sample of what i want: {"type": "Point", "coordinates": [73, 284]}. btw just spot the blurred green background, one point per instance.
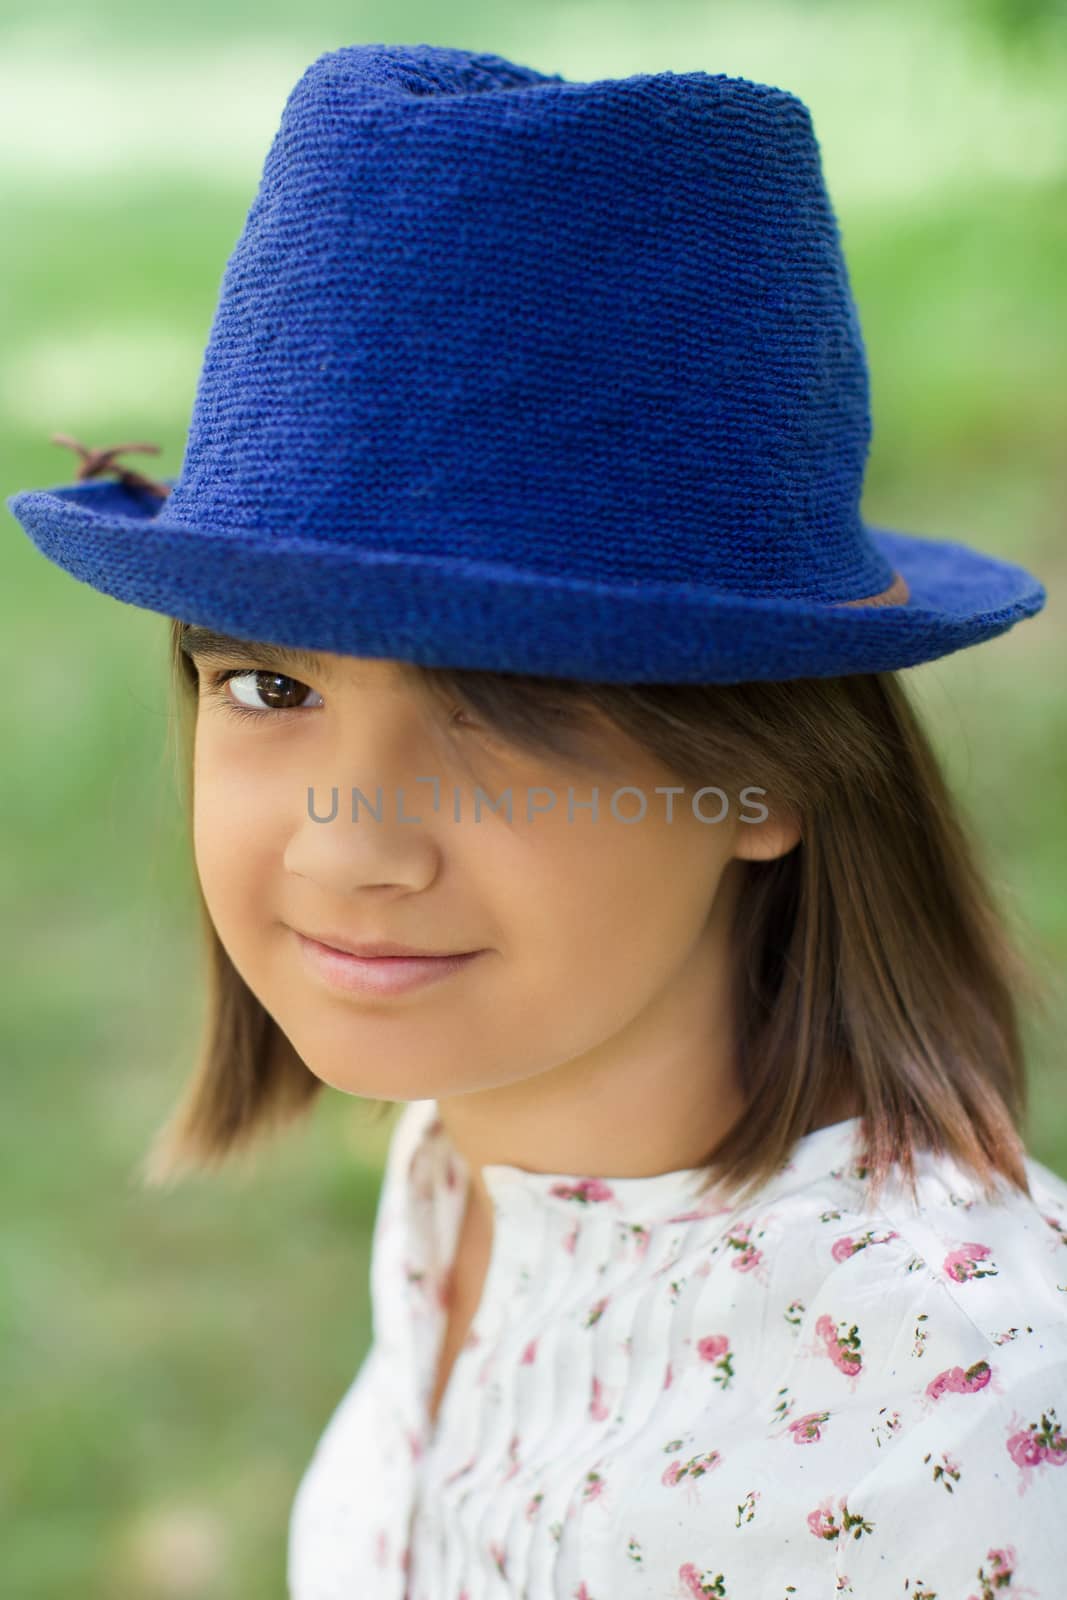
{"type": "Point", "coordinates": [169, 1361]}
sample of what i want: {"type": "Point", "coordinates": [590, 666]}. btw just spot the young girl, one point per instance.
{"type": "Point", "coordinates": [551, 777]}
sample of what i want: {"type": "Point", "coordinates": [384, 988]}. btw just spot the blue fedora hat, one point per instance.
{"type": "Point", "coordinates": [539, 376]}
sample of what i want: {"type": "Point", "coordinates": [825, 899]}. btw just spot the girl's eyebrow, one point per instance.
{"type": "Point", "coordinates": [212, 646]}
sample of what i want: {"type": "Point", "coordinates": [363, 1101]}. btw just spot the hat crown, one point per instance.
{"type": "Point", "coordinates": [586, 330]}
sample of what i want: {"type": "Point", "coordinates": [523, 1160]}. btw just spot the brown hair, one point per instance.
{"type": "Point", "coordinates": [874, 968]}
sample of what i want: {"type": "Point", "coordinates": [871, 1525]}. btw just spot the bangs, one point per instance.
{"type": "Point", "coordinates": [551, 717]}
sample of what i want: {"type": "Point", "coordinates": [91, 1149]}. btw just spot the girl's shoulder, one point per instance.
{"type": "Point", "coordinates": [927, 1355]}
{"type": "Point", "coordinates": [1000, 1261]}
{"type": "Point", "coordinates": [994, 1256]}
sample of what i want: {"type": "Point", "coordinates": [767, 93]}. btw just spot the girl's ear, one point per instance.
{"type": "Point", "coordinates": [765, 840]}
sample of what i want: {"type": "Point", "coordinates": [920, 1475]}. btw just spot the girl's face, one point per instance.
{"type": "Point", "coordinates": [593, 929]}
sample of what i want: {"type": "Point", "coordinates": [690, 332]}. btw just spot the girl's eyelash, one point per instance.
{"type": "Point", "coordinates": [216, 682]}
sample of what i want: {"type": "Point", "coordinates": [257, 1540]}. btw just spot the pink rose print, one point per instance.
{"type": "Point", "coordinates": [513, 1457]}
{"type": "Point", "coordinates": [806, 1429]}
{"type": "Point", "coordinates": [529, 1355]}
{"type": "Point", "coordinates": [748, 1256]}
{"type": "Point", "coordinates": [747, 1509]}
{"type": "Point", "coordinates": [843, 1248]}
{"type": "Point", "coordinates": [533, 1505]}
{"type": "Point", "coordinates": [959, 1380]}
{"type": "Point", "coordinates": [998, 1579]}
{"type": "Point", "coordinates": [716, 1349]}
{"type": "Point", "coordinates": [639, 1235]}
{"type": "Point", "coordinates": [842, 1348]}
{"type": "Point", "coordinates": [571, 1240]}
{"type": "Point", "coordinates": [947, 1471]}
{"type": "Point", "coordinates": [582, 1592]}
{"type": "Point", "coordinates": [963, 1264]}
{"type": "Point", "coordinates": [668, 1378]}
{"type": "Point", "coordinates": [794, 1312]}
{"type": "Point", "coordinates": [460, 1471]}
{"type": "Point", "coordinates": [589, 1191]}
{"type": "Point", "coordinates": [693, 1469]}
{"type": "Point", "coordinates": [594, 1485]}
{"type": "Point", "coordinates": [381, 1548]}
{"type": "Point", "coordinates": [1037, 1445]}
{"type": "Point", "coordinates": [596, 1312]}
{"type": "Point", "coordinates": [888, 1422]}
{"type": "Point", "coordinates": [824, 1524]}
{"type": "Point", "coordinates": [499, 1557]}
{"type": "Point", "coordinates": [598, 1406]}
{"type": "Point", "coordinates": [698, 1585]}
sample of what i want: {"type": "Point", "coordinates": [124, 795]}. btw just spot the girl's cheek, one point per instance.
{"type": "Point", "coordinates": [232, 834]}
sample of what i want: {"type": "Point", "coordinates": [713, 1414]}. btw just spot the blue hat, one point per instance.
{"type": "Point", "coordinates": [538, 376]}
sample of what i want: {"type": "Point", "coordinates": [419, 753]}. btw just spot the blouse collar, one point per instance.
{"type": "Point", "coordinates": [429, 1157]}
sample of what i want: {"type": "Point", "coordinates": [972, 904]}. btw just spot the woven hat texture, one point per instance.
{"type": "Point", "coordinates": [514, 372]}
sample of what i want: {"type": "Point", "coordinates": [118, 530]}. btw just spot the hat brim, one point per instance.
{"type": "Point", "coordinates": [462, 613]}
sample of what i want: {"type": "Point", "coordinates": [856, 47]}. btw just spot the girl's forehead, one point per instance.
{"type": "Point", "coordinates": [372, 671]}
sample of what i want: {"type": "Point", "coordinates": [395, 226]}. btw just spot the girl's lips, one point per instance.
{"type": "Point", "coordinates": [379, 975]}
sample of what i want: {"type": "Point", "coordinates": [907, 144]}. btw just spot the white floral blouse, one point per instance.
{"type": "Point", "coordinates": [657, 1400]}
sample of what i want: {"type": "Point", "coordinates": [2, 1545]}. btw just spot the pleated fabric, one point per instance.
{"type": "Point", "coordinates": [662, 1397]}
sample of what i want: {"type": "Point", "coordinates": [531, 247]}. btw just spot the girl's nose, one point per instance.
{"type": "Point", "coordinates": [348, 839]}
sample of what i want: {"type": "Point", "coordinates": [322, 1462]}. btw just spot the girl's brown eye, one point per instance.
{"type": "Point", "coordinates": [275, 691]}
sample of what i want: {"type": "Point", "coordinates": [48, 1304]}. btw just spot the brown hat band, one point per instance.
{"type": "Point", "coordinates": [896, 595]}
